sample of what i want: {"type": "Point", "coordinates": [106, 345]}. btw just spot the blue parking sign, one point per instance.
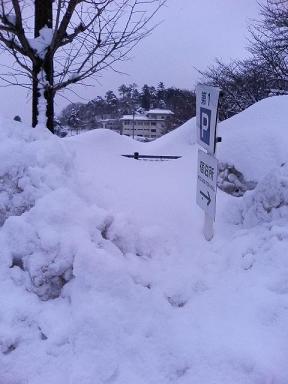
{"type": "Point", "coordinates": [207, 98]}
{"type": "Point", "coordinates": [205, 124]}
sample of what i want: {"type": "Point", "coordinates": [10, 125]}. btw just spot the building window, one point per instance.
{"type": "Point", "coordinates": [153, 130]}
{"type": "Point", "coordinates": [153, 123]}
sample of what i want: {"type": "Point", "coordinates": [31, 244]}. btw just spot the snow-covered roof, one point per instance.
{"type": "Point", "coordinates": [105, 120]}
{"type": "Point", "coordinates": [144, 117]}
{"type": "Point", "coordinates": [161, 111]}
{"type": "Point", "coordinates": [136, 117]}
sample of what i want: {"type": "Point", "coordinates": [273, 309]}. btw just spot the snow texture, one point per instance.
{"type": "Point", "coordinates": [105, 276]}
{"type": "Point", "coordinates": [256, 141]}
{"type": "Point", "coordinates": [269, 201]}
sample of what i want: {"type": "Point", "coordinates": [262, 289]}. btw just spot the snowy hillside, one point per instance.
{"type": "Point", "coordinates": [105, 276]}
{"type": "Point", "coordinates": [260, 133]}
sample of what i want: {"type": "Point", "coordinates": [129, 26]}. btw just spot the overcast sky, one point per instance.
{"type": "Point", "coordinates": [192, 34]}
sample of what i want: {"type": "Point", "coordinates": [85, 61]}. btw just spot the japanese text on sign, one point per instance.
{"type": "Point", "coordinates": [205, 98]}
{"type": "Point", "coordinates": [207, 170]}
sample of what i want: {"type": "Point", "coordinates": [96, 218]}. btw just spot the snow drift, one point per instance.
{"type": "Point", "coordinates": [104, 273]}
{"type": "Point", "coordinates": [269, 201]}
{"type": "Point", "coordinates": [256, 141]}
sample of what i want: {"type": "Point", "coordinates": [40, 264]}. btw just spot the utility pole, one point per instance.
{"type": "Point", "coordinates": [133, 126]}
{"type": "Point", "coordinates": [43, 18]}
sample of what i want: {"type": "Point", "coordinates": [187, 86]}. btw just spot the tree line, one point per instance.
{"type": "Point", "coordinates": [128, 100]}
{"type": "Point", "coordinates": [265, 72]}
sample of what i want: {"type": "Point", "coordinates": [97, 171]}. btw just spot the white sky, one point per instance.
{"type": "Point", "coordinates": [193, 33]}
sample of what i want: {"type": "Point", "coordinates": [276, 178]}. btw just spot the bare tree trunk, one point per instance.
{"type": "Point", "coordinates": [49, 93]}
{"type": "Point", "coordinates": [43, 17]}
{"type": "Point", "coordinates": [85, 38]}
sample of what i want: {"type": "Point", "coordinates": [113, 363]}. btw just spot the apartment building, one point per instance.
{"type": "Point", "coordinates": [151, 125]}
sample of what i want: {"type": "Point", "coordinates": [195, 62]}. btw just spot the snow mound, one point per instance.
{"type": "Point", "coordinates": [44, 220]}
{"type": "Point", "coordinates": [256, 141]}
{"type": "Point", "coordinates": [269, 201]}
{"type": "Point", "coordinates": [32, 163]}
{"type": "Point", "coordinates": [107, 141]}
{"type": "Point", "coordinates": [177, 141]}
{"type": "Point", "coordinates": [138, 295]}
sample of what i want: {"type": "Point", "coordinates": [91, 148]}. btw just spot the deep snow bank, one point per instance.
{"type": "Point", "coordinates": [269, 200]}
{"type": "Point", "coordinates": [45, 222]}
{"type": "Point", "coordinates": [256, 140]}
{"type": "Point", "coordinates": [139, 296]}
{"type": "Point", "coordinates": [32, 163]}
{"type": "Point", "coordinates": [177, 142]}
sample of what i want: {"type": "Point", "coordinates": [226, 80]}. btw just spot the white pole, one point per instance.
{"type": "Point", "coordinates": [133, 134]}
{"type": "Point", "coordinates": [208, 229]}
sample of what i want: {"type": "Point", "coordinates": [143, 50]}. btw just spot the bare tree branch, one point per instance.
{"type": "Point", "coordinates": [85, 38]}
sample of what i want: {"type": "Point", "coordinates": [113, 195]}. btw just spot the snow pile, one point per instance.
{"type": "Point", "coordinates": [178, 141]}
{"type": "Point", "coordinates": [269, 201]}
{"type": "Point", "coordinates": [136, 295]}
{"type": "Point", "coordinates": [45, 222]}
{"type": "Point", "coordinates": [31, 165]}
{"type": "Point", "coordinates": [256, 141]}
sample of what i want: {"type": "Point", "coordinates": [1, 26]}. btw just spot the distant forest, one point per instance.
{"type": "Point", "coordinates": [129, 99]}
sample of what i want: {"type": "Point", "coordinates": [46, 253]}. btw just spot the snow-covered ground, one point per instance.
{"type": "Point", "coordinates": [105, 276]}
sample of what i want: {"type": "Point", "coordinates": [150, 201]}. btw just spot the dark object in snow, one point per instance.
{"type": "Point", "coordinates": [17, 262]}
{"type": "Point", "coordinates": [176, 301]}
{"type": "Point", "coordinates": [42, 335]}
{"type": "Point", "coordinates": [59, 130]}
{"type": "Point", "coordinates": [15, 203]}
{"type": "Point", "coordinates": [17, 118]}
{"type": "Point", "coordinates": [9, 348]}
{"type": "Point", "coordinates": [47, 283]}
{"type": "Point", "coordinates": [136, 156]}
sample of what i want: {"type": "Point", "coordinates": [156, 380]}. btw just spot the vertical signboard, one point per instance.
{"type": "Point", "coordinates": [207, 183]}
{"type": "Point", "coordinates": [207, 99]}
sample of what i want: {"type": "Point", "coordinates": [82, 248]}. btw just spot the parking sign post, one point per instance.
{"type": "Point", "coordinates": [207, 99]}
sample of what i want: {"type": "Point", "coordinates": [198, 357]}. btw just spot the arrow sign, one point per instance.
{"type": "Point", "coordinates": [207, 197]}
{"type": "Point", "coordinates": [207, 183]}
